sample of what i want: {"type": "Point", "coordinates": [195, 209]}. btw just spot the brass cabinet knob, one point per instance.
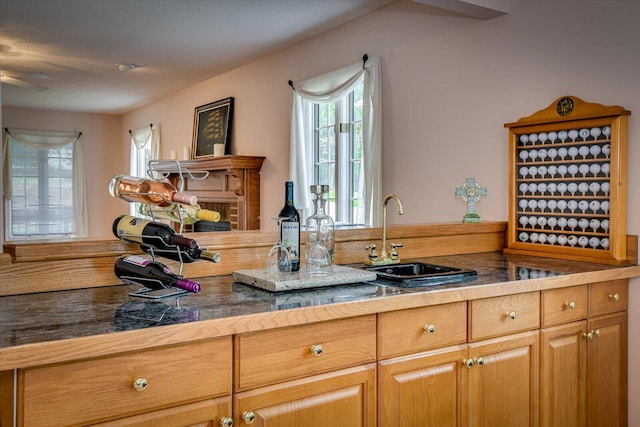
{"type": "Point", "coordinates": [570, 305]}
{"type": "Point", "coordinates": [614, 297]}
{"type": "Point", "coordinates": [140, 384]}
{"type": "Point", "coordinates": [468, 362]}
{"type": "Point", "coordinates": [480, 361]}
{"type": "Point", "coordinates": [430, 328]}
{"type": "Point", "coordinates": [316, 350]}
{"type": "Point", "coordinates": [226, 422]}
{"type": "Point", "coordinates": [248, 417]}
{"type": "Point", "coordinates": [596, 333]}
{"type": "Point", "coordinates": [511, 315]}
{"type": "Point", "coordinates": [588, 335]}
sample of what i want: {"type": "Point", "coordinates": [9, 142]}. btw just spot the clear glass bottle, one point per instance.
{"type": "Point", "coordinates": [319, 226]}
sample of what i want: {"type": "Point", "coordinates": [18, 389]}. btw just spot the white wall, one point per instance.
{"type": "Point", "coordinates": [449, 85]}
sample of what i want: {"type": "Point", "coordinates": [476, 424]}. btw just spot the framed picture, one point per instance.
{"type": "Point", "coordinates": [212, 129]}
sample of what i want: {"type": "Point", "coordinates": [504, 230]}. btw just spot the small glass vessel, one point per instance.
{"type": "Point", "coordinates": [278, 260]}
{"type": "Point", "coordinates": [320, 228]}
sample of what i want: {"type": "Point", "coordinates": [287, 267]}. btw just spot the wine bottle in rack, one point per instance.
{"type": "Point", "coordinates": [150, 191]}
{"type": "Point", "coordinates": [186, 255]}
{"type": "Point", "coordinates": [290, 227]}
{"type": "Point", "coordinates": [151, 233]}
{"type": "Point", "coordinates": [180, 213]}
{"type": "Point", "coordinates": [135, 270]}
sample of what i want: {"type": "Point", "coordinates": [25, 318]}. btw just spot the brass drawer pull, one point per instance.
{"type": "Point", "coordinates": [570, 305]}
{"type": "Point", "coordinates": [468, 363]}
{"type": "Point", "coordinates": [226, 422]}
{"type": "Point", "coordinates": [480, 361]}
{"type": "Point", "coordinates": [316, 350]}
{"type": "Point", "coordinates": [140, 384]}
{"type": "Point", "coordinates": [430, 328]}
{"type": "Point", "coordinates": [511, 315]}
{"type": "Point", "coordinates": [614, 297]}
{"type": "Point", "coordinates": [248, 417]}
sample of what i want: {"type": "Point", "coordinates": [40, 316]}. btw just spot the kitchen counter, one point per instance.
{"type": "Point", "coordinates": [67, 325]}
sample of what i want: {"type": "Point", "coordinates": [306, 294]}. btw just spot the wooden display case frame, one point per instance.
{"type": "Point", "coordinates": [564, 114]}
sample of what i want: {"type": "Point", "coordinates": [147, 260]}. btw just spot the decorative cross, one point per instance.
{"type": "Point", "coordinates": [471, 192]}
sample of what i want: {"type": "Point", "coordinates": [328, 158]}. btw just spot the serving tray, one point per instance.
{"type": "Point", "coordinates": [340, 275]}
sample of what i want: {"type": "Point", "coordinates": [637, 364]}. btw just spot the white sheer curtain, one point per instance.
{"type": "Point", "coordinates": [140, 139]}
{"type": "Point", "coordinates": [329, 88]}
{"type": "Point", "coordinates": [46, 140]}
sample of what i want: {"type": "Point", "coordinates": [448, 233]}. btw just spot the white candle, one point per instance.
{"type": "Point", "coordinates": [218, 150]}
{"type": "Point", "coordinates": [186, 153]}
{"type": "Point", "coordinates": [174, 155]}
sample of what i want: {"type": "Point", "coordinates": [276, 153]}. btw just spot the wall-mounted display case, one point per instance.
{"type": "Point", "coordinates": [567, 190]}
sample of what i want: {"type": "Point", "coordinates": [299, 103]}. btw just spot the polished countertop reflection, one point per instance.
{"type": "Point", "coordinates": [36, 318]}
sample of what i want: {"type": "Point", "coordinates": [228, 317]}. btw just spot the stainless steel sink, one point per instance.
{"type": "Point", "coordinates": [417, 274]}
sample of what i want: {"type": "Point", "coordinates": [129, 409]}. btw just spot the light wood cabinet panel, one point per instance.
{"type": "Point", "coordinates": [340, 398]}
{"type": "Point", "coordinates": [492, 317]}
{"type": "Point", "coordinates": [563, 375]}
{"type": "Point", "coordinates": [420, 329]}
{"type": "Point", "coordinates": [607, 371]}
{"type": "Point", "coordinates": [564, 305]}
{"type": "Point", "coordinates": [207, 413]}
{"type": "Point", "coordinates": [503, 381]}
{"type": "Point", "coordinates": [608, 297]}
{"type": "Point", "coordinates": [88, 391]}
{"type": "Point", "coordinates": [282, 354]}
{"type": "Point", "coordinates": [425, 389]}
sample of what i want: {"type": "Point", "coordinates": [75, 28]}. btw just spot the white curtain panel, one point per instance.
{"type": "Point", "coordinates": [140, 138]}
{"type": "Point", "coordinates": [46, 140]}
{"type": "Point", "coordinates": [329, 88]}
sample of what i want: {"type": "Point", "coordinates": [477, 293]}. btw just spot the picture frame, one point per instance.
{"type": "Point", "coordinates": [212, 129]}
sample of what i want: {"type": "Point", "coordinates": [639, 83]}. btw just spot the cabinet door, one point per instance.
{"type": "Point", "coordinates": [607, 371]}
{"type": "Point", "coordinates": [208, 413]}
{"type": "Point", "coordinates": [563, 370]}
{"type": "Point", "coordinates": [424, 389]}
{"type": "Point", "coordinates": [503, 381]}
{"type": "Point", "coordinates": [340, 398]}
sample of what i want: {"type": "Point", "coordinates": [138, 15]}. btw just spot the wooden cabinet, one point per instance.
{"type": "Point", "coordinates": [340, 398]}
{"type": "Point", "coordinates": [313, 375]}
{"type": "Point", "coordinates": [584, 364]}
{"type": "Point", "coordinates": [491, 380]}
{"type": "Point", "coordinates": [97, 390]}
{"type": "Point", "coordinates": [231, 186]}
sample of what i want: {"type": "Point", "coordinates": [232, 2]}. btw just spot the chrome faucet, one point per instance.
{"type": "Point", "coordinates": [384, 258]}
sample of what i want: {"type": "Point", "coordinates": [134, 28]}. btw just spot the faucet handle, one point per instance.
{"type": "Point", "coordinates": [394, 252]}
{"type": "Point", "coordinates": [373, 255]}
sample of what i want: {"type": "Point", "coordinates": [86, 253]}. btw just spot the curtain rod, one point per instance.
{"type": "Point", "coordinates": [151, 126]}
{"type": "Point", "coordinates": [9, 132]}
{"type": "Point", "coordinates": [365, 57]}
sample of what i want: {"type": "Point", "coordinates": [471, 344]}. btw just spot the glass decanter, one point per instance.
{"type": "Point", "coordinates": [320, 228]}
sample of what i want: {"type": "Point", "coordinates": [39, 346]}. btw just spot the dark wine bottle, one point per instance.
{"type": "Point", "coordinates": [290, 227]}
{"type": "Point", "coordinates": [151, 233]}
{"type": "Point", "coordinates": [186, 255]}
{"type": "Point", "coordinates": [135, 270]}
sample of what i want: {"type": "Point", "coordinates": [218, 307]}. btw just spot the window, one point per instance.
{"type": "Point", "coordinates": [336, 137]}
{"type": "Point", "coordinates": [145, 146]}
{"type": "Point", "coordinates": [42, 186]}
{"type": "Point", "coordinates": [337, 155]}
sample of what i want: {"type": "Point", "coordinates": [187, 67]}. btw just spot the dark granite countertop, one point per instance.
{"type": "Point", "coordinates": [37, 318]}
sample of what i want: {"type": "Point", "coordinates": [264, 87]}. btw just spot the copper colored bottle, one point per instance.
{"type": "Point", "coordinates": [150, 191]}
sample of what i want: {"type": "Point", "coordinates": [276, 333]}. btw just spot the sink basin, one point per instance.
{"type": "Point", "coordinates": [416, 274]}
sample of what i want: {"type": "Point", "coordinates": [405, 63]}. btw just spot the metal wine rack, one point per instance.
{"type": "Point", "coordinates": [567, 193]}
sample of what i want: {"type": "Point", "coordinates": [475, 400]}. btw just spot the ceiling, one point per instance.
{"type": "Point", "coordinates": [64, 54]}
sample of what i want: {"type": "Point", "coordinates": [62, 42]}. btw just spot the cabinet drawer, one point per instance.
{"type": "Point", "coordinates": [100, 389]}
{"type": "Point", "coordinates": [608, 297]}
{"type": "Point", "coordinates": [419, 329]}
{"type": "Point", "coordinates": [564, 305]}
{"type": "Point", "coordinates": [272, 356]}
{"type": "Point", "coordinates": [496, 316]}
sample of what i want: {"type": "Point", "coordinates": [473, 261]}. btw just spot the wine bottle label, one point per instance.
{"type": "Point", "coordinates": [290, 239]}
{"type": "Point", "coordinates": [131, 228]}
{"type": "Point", "coordinates": [136, 260]}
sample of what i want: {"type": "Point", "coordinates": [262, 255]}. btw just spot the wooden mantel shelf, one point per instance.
{"type": "Point", "coordinates": [232, 186]}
